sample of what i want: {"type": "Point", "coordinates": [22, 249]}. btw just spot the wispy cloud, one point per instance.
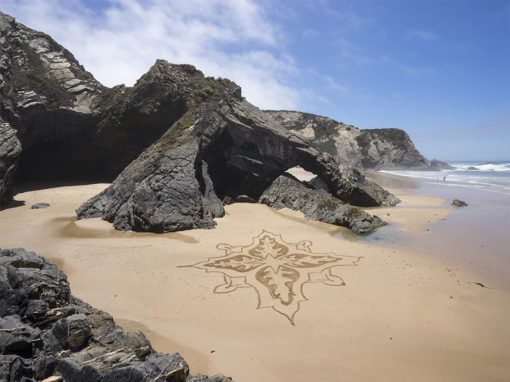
{"type": "Point", "coordinates": [352, 54]}
{"type": "Point", "coordinates": [420, 35]}
{"type": "Point", "coordinates": [416, 71]}
{"type": "Point", "coordinates": [335, 85]}
{"type": "Point", "coordinates": [118, 43]}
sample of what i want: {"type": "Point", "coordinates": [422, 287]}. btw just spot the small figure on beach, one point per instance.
{"type": "Point", "coordinates": [444, 178]}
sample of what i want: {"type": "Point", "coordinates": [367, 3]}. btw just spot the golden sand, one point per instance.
{"type": "Point", "coordinates": [330, 310]}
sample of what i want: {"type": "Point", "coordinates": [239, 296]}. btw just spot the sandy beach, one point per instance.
{"type": "Point", "coordinates": [396, 306]}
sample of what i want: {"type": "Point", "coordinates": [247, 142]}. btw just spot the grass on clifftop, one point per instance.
{"type": "Point", "coordinates": [175, 131]}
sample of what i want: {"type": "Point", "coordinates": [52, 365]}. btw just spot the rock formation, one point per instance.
{"type": "Point", "coordinates": [10, 148]}
{"type": "Point", "coordinates": [317, 204]}
{"type": "Point", "coordinates": [188, 141]}
{"type": "Point", "coordinates": [367, 149]}
{"type": "Point", "coordinates": [47, 332]}
{"type": "Point", "coordinates": [459, 203]}
{"type": "Point", "coordinates": [221, 147]}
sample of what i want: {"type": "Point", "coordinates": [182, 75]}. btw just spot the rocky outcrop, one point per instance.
{"type": "Point", "coordinates": [222, 147]}
{"type": "Point", "coordinates": [317, 204]}
{"type": "Point", "coordinates": [46, 332]}
{"type": "Point", "coordinates": [366, 149]}
{"type": "Point", "coordinates": [459, 203]}
{"type": "Point", "coordinates": [10, 149]}
{"type": "Point", "coordinates": [188, 141]}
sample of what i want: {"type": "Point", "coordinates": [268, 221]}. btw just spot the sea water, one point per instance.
{"type": "Point", "coordinates": [489, 176]}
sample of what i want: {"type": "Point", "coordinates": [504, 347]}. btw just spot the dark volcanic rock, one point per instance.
{"type": "Point", "coordinates": [37, 206]}
{"type": "Point", "coordinates": [368, 148]}
{"type": "Point", "coordinates": [317, 204]}
{"type": "Point", "coordinates": [45, 331]}
{"type": "Point", "coordinates": [459, 203]}
{"type": "Point", "coordinates": [10, 149]}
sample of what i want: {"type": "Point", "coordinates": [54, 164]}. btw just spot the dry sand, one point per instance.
{"type": "Point", "coordinates": [400, 315]}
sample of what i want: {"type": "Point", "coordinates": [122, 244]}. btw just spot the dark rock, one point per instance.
{"type": "Point", "coordinates": [471, 168]}
{"type": "Point", "coordinates": [227, 200]}
{"type": "Point", "coordinates": [221, 148]}
{"type": "Point", "coordinates": [10, 149]}
{"type": "Point", "coordinates": [459, 203]}
{"type": "Point", "coordinates": [69, 125]}
{"type": "Point", "coordinates": [317, 204]}
{"type": "Point", "coordinates": [46, 332]}
{"type": "Point", "coordinates": [37, 206]}
{"type": "Point", "coordinates": [367, 148]}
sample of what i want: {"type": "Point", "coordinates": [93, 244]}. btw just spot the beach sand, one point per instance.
{"type": "Point", "coordinates": [402, 314]}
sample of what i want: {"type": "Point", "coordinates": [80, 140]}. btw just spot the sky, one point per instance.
{"type": "Point", "coordinates": [440, 70]}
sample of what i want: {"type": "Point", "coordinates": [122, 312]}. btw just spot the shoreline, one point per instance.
{"type": "Point", "coordinates": [473, 237]}
{"type": "Point", "coordinates": [382, 313]}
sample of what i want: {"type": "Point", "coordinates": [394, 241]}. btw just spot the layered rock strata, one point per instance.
{"type": "Point", "coordinates": [46, 332]}
{"type": "Point", "coordinates": [10, 149]}
{"type": "Point", "coordinates": [317, 204]}
{"type": "Point", "coordinates": [222, 147]}
{"type": "Point", "coordinates": [362, 148]}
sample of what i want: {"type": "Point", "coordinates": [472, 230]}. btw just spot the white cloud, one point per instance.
{"type": "Point", "coordinates": [118, 43]}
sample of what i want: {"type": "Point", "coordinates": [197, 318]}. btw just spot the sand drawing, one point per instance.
{"type": "Point", "coordinates": [277, 270]}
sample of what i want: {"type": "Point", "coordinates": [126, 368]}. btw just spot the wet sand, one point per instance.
{"type": "Point", "coordinates": [475, 237]}
{"type": "Point", "coordinates": [368, 310]}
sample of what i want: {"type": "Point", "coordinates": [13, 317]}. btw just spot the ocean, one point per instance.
{"type": "Point", "coordinates": [489, 176]}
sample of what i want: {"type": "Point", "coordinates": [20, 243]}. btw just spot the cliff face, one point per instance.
{"type": "Point", "coordinates": [69, 126]}
{"type": "Point", "coordinates": [367, 149]}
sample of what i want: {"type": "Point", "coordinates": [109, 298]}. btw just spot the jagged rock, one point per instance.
{"type": "Point", "coordinates": [459, 203]}
{"type": "Point", "coordinates": [10, 149]}
{"type": "Point", "coordinates": [46, 332]}
{"type": "Point", "coordinates": [221, 147]}
{"type": "Point", "coordinates": [368, 148]}
{"type": "Point", "coordinates": [317, 204]}
{"type": "Point", "coordinates": [37, 206]}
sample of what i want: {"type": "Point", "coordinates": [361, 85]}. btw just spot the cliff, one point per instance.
{"type": "Point", "coordinates": [367, 149]}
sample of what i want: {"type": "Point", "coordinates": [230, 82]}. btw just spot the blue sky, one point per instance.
{"type": "Point", "coordinates": [440, 70]}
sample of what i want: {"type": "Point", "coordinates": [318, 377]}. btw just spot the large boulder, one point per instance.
{"type": "Point", "coordinates": [46, 332]}
{"type": "Point", "coordinates": [317, 204]}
